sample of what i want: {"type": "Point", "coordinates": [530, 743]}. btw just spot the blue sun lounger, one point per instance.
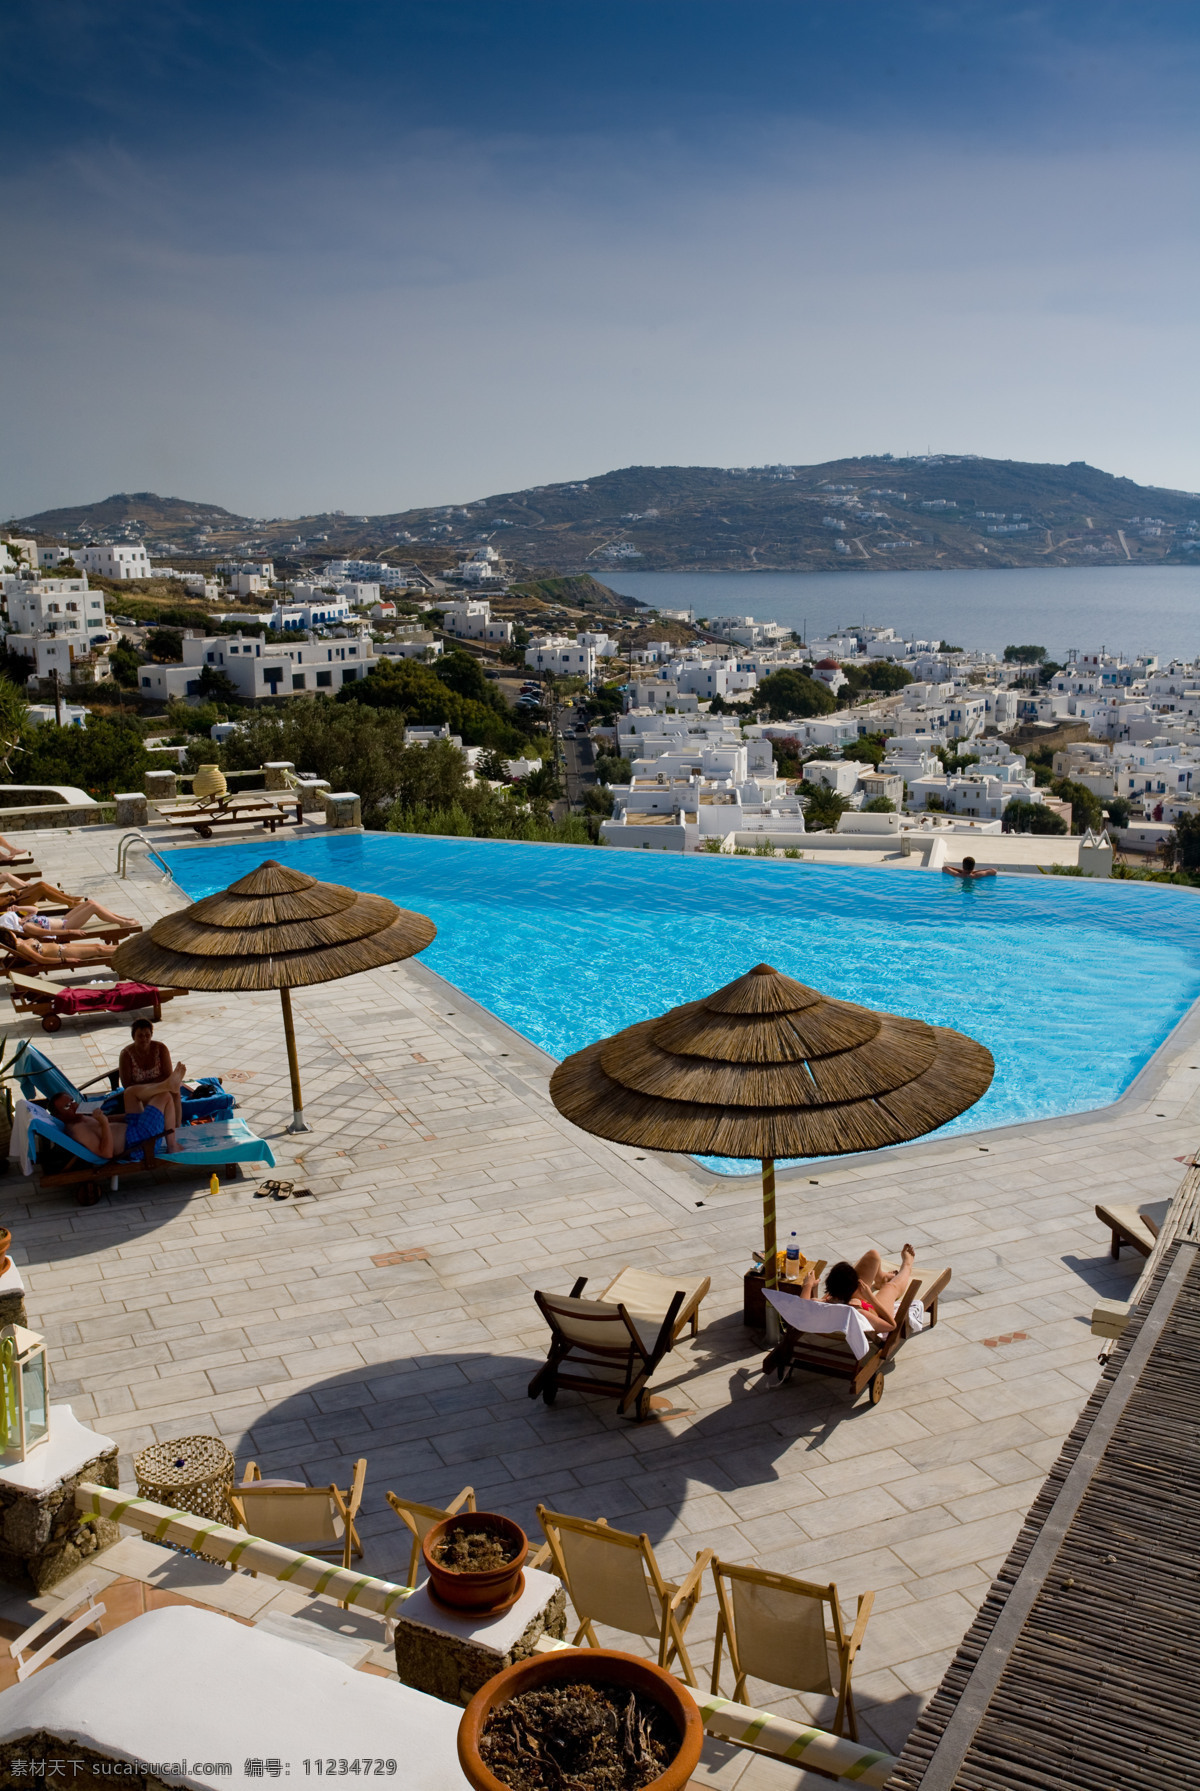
{"type": "Point", "coordinates": [40, 1075]}
{"type": "Point", "coordinates": [214, 1146]}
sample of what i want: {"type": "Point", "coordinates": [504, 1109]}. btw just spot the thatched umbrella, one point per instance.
{"type": "Point", "coordinates": [768, 1068]}
{"type": "Point", "coordinates": [275, 929]}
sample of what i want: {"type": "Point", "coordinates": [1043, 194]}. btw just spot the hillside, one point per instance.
{"type": "Point", "coordinates": [714, 518]}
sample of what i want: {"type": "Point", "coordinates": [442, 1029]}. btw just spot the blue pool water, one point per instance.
{"type": "Point", "coordinates": [1071, 985]}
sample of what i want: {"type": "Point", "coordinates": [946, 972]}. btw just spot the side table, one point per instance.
{"type": "Point", "coordinates": [42, 1537]}
{"type": "Point", "coordinates": [450, 1655]}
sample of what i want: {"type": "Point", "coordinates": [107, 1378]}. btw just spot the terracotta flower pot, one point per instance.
{"type": "Point", "coordinates": [209, 781]}
{"type": "Point", "coordinates": [602, 1667]}
{"type": "Point", "coordinates": [463, 1591]}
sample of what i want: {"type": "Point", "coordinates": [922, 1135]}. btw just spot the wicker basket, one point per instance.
{"type": "Point", "coordinates": [190, 1473]}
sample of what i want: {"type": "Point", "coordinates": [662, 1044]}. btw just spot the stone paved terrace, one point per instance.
{"type": "Point", "coordinates": [169, 1310]}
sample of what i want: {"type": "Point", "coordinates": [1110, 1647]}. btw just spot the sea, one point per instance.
{"type": "Point", "coordinates": [1126, 610]}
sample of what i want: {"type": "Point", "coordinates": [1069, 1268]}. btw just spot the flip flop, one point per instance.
{"type": "Point", "coordinates": [274, 1190]}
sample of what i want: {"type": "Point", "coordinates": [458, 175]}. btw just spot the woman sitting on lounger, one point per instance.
{"type": "Point", "coordinates": [35, 925]}
{"type": "Point", "coordinates": [149, 1113]}
{"type": "Point", "coordinates": [865, 1285]}
{"type": "Point", "coordinates": [71, 954]}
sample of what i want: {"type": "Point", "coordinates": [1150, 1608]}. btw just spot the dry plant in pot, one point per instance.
{"type": "Point", "coordinates": [475, 1562]}
{"type": "Point", "coordinates": [591, 1717]}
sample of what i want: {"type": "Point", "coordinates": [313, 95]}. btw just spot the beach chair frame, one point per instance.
{"type": "Point", "coordinates": [604, 1344]}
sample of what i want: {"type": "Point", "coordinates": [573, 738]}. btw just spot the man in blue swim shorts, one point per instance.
{"type": "Point", "coordinates": [115, 1137]}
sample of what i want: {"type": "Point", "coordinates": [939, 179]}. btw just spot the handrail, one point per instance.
{"type": "Point", "coordinates": [126, 846]}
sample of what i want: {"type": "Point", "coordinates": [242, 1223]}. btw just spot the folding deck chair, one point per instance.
{"type": "Point", "coordinates": [775, 1630]}
{"type": "Point", "coordinates": [837, 1340]}
{"type": "Point", "coordinates": [420, 1519]}
{"type": "Point", "coordinates": [612, 1577]}
{"type": "Point", "coordinates": [312, 1520]}
{"type": "Point", "coordinates": [610, 1349]}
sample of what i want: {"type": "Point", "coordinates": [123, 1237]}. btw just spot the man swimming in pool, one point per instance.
{"type": "Point", "coordinates": [865, 1285]}
{"type": "Point", "coordinates": [149, 1113]}
{"type": "Point", "coordinates": [966, 870]}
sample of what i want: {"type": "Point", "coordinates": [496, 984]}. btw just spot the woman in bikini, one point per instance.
{"type": "Point", "coordinates": [73, 921]}
{"type": "Point", "coordinates": [145, 1067]}
{"type": "Point", "coordinates": [48, 954]}
{"type": "Point", "coordinates": [865, 1285]}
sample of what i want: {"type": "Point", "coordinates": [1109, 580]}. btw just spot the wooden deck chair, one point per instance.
{"type": "Point", "coordinates": [606, 1345]}
{"type": "Point", "coordinates": [612, 1577]}
{"type": "Point", "coordinates": [775, 1628]}
{"type": "Point", "coordinates": [831, 1354]}
{"type": "Point", "coordinates": [420, 1519]}
{"type": "Point", "coordinates": [312, 1520]}
{"type": "Point", "coordinates": [647, 1296]}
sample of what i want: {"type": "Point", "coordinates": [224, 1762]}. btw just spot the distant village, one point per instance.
{"type": "Point", "coordinates": [960, 744]}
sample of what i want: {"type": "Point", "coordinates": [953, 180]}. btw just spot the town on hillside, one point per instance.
{"type": "Point", "coordinates": [730, 736]}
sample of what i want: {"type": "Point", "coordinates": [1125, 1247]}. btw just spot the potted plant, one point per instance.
{"type": "Point", "coordinates": [581, 1716]}
{"type": "Point", "coordinates": [475, 1561]}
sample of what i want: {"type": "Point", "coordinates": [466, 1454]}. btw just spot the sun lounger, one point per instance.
{"type": "Point", "coordinates": [62, 1162]}
{"type": "Point", "coordinates": [599, 1347]}
{"type": "Point", "coordinates": [38, 1074]}
{"type": "Point", "coordinates": [38, 995]}
{"type": "Point", "coordinates": [647, 1296]}
{"type": "Point", "coordinates": [229, 811]}
{"type": "Point", "coordinates": [1138, 1226]}
{"type": "Point", "coordinates": [837, 1340]}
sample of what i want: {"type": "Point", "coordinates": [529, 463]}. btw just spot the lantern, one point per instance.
{"type": "Point", "coordinates": [24, 1413]}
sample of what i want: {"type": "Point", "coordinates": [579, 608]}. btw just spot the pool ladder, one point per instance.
{"type": "Point", "coordinates": [128, 842]}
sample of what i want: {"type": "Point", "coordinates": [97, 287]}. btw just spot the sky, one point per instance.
{"type": "Point", "coordinates": [296, 257]}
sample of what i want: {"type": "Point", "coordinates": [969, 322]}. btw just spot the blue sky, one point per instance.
{"type": "Point", "coordinates": [290, 257]}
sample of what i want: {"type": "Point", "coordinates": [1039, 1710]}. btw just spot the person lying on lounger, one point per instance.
{"type": "Point", "coordinates": [32, 925]}
{"type": "Point", "coordinates": [8, 851]}
{"type": "Point", "coordinates": [14, 889]}
{"type": "Point", "coordinates": [966, 870]}
{"type": "Point", "coordinates": [153, 1114]}
{"type": "Point", "coordinates": [865, 1285]}
{"type": "Point", "coordinates": [49, 954]}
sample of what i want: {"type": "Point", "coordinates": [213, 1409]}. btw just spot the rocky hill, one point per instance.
{"type": "Point", "coordinates": [873, 512]}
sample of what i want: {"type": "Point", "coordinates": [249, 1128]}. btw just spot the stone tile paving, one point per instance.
{"type": "Point", "coordinates": [169, 1310]}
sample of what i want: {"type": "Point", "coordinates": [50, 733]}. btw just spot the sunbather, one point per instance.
{"type": "Point", "coordinates": [111, 1138]}
{"type": "Point", "coordinates": [865, 1285]}
{"type": "Point", "coordinates": [67, 925]}
{"type": "Point", "coordinates": [137, 1094]}
{"type": "Point", "coordinates": [8, 851]}
{"type": "Point", "coordinates": [14, 889]}
{"type": "Point", "coordinates": [50, 954]}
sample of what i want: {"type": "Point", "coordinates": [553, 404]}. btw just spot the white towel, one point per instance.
{"type": "Point", "coordinates": [19, 1146]}
{"type": "Point", "coordinates": [817, 1315]}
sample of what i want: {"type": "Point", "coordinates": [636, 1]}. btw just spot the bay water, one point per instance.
{"type": "Point", "coordinates": [1127, 609]}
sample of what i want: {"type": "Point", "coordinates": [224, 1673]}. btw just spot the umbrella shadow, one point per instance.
{"type": "Point", "coordinates": [49, 1226]}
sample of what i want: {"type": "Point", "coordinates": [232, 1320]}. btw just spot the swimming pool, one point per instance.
{"type": "Point", "coordinates": [1072, 985]}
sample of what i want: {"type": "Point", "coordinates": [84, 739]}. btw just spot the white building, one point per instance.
{"type": "Point", "coordinates": [562, 657]}
{"type": "Point", "coordinates": [57, 623]}
{"type": "Point", "coordinates": [111, 561]}
{"type": "Point", "coordinates": [483, 567]}
{"type": "Point", "coordinates": [260, 670]}
{"type": "Point", "coordinates": [319, 611]}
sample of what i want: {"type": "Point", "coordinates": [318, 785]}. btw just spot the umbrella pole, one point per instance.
{"type": "Point", "coordinates": [299, 1123]}
{"type": "Point", "coordinates": [770, 1257]}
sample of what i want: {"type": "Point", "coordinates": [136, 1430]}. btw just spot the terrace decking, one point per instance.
{"type": "Point", "coordinates": [1081, 1669]}
{"type": "Point", "coordinates": [392, 1315]}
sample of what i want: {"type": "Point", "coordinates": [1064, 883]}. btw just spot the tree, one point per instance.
{"type": "Point", "coordinates": [542, 782]}
{"type": "Point", "coordinates": [126, 666]}
{"type": "Point", "coordinates": [12, 720]}
{"type": "Point", "coordinates": [824, 807]}
{"type": "Point", "coordinates": [955, 761]}
{"type": "Point", "coordinates": [463, 674]}
{"type": "Point", "coordinates": [492, 765]}
{"type": "Point", "coordinates": [1025, 655]}
{"type": "Point", "coordinates": [870, 750]}
{"type": "Point", "coordinates": [881, 675]}
{"type": "Point", "coordinates": [1085, 806]}
{"type": "Point", "coordinates": [353, 746]}
{"type": "Point", "coordinates": [879, 805]}
{"type": "Point", "coordinates": [606, 700]}
{"type": "Point", "coordinates": [611, 770]}
{"type": "Point", "coordinates": [1184, 842]}
{"type": "Point", "coordinates": [790, 693]}
{"type": "Point", "coordinates": [1118, 811]}
{"type": "Point", "coordinates": [427, 700]}
{"type": "Point", "coordinates": [1032, 817]}
{"type": "Point", "coordinates": [213, 682]}
{"type": "Point", "coordinates": [165, 644]}
{"type": "Point", "coordinates": [106, 756]}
